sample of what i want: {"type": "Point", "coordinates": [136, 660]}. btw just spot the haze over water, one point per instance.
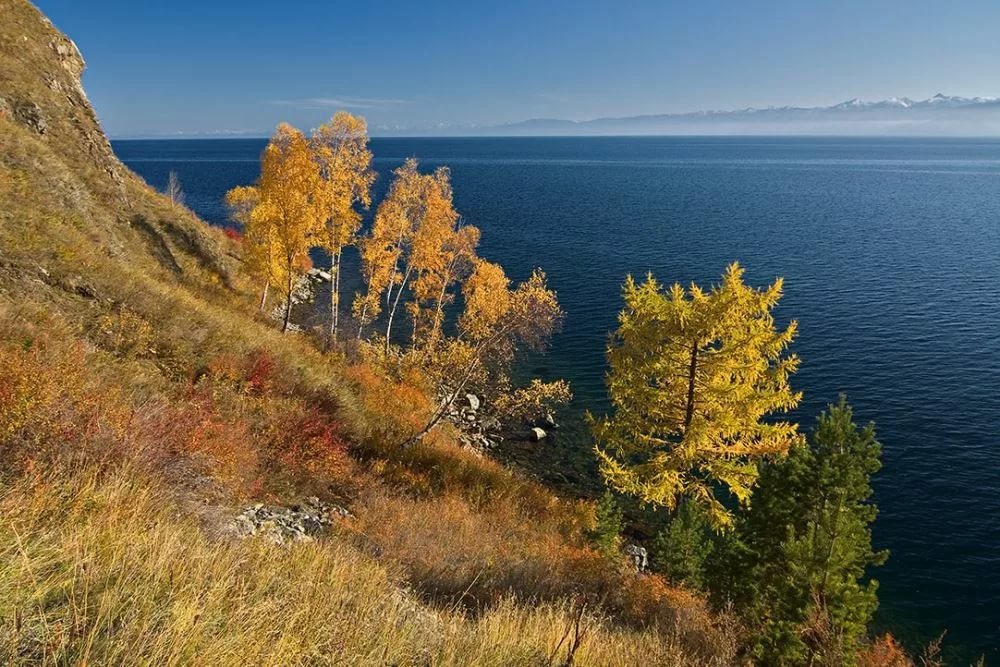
{"type": "Point", "coordinates": [890, 250]}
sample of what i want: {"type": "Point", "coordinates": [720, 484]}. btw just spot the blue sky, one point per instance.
{"type": "Point", "coordinates": [217, 66]}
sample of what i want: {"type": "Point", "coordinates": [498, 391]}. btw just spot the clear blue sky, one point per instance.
{"type": "Point", "coordinates": [186, 67]}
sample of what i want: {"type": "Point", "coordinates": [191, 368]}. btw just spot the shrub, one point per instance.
{"type": "Point", "coordinates": [884, 651]}
{"type": "Point", "coordinates": [125, 333]}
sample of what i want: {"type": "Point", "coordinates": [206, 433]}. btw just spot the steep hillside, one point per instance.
{"type": "Point", "coordinates": [143, 407]}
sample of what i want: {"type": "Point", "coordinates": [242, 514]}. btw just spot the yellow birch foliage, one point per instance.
{"type": "Point", "coordinates": [693, 375]}
{"type": "Point", "coordinates": [258, 237]}
{"type": "Point", "coordinates": [384, 250]}
{"type": "Point", "coordinates": [289, 205]}
{"type": "Point", "coordinates": [443, 253]}
{"type": "Point", "coordinates": [340, 148]}
{"type": "Point", "coordinates": [497, 324]}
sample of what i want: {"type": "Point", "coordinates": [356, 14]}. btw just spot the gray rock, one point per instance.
{"type": "Point", "coordinates": [639, 557]}
{"type": "Point", "coordinates": [537, 434]}
{"type": "Point", "coordinates": [281, 525]}
{"type": "Point", "coordinates": [319, 275]}
{"type": "Point", "coordinates": [30, 115]}
{"type": "Point", "coordinates": [472, 401]}
{"type": "Point", "coordinates": [548, 421]}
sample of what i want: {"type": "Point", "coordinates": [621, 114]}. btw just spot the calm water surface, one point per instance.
{"type": "Point", "coordinates": [890, 250]}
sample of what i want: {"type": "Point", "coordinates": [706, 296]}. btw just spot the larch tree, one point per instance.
{"type": "Point", "coordinates": [288, 189]}
{"type": "Point", "coordinates": [693, 375]}
{"type": "Point", "coordinates": [340, 148]}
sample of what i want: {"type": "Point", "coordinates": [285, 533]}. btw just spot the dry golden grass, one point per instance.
{"type": "Point", "coordinates": [131, 361]}
{"type": "Point", "coordinates": [98, 568]}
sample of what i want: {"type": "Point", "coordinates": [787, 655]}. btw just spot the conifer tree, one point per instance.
{"type": "Point", "coordinates": [682, 548]}
{"type": "Point", "coordinates": [608, 525]}
{"type": "Point", "coordinates": [805, 546]}
{"type": "Point", "coordinates": [693, 374]}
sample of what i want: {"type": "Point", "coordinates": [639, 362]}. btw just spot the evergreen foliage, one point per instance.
{"type": "Point", "coordinates": [801, 553]}
{"type": "Point", "coordinates": [682, 548]}
{"type": "Point", "coordinates": [606, 534]}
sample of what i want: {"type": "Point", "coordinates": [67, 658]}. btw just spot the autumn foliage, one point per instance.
{"type": "Point", "coordinates": [694, 374]}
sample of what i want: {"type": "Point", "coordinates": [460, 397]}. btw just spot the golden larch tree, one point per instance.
{"type": "Point", "coordinates": [340, 148]}
{"type": "Point", "coordinates": [693, 376]}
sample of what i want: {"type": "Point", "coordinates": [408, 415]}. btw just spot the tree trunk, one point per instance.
{"type": "Point", "coordinates": [361, 320]}
{"type": "Point", "coordinates": [336, 297]}
{"type": "Point", "coordinates": [442, 409]}
{"type": "Point", "coordinates": [263, 297]}
{"type": "Point", "coordinates": [692, 369]}
{"type": "Point", "coordinates": [395, 304]}
{"type": "Point", "coordinates": [331, 337]}
{"type": "Point", "coordinates": [439, 311]}
{"type": "Point", "coordinates": [288, 301]}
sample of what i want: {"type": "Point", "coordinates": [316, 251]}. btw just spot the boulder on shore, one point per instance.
{"type": "Point", "coordinates": [638, 556]}
{"type": "Point", "coordinates": [537, 434]}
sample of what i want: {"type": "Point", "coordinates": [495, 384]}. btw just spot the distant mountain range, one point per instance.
{"type": "Point", "coordinates": [940, 115]}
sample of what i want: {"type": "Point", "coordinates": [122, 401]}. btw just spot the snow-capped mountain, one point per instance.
{"type": "Point", "coordinates": [942, 115]}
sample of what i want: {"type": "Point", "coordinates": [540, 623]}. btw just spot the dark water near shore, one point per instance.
{"type": "Point", "coordinates": [890, 250]}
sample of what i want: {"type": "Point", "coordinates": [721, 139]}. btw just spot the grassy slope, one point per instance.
{"type": "Point", "coordinates": [115, 452]}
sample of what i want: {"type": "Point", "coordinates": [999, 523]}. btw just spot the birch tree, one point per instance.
{"type": "Point", "coordinates": [174, 190]}
{"type": "Point", "coordinates": [341, 150]}
{"type": "Point", "coordinates": [499, 323]}
{"type": "Point", "coordinates": [289, 202]}
{"type": "Point", "coordinates": [258, 238]}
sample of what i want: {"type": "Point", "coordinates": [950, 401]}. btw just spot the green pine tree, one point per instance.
{"type": "Point", "coordinates": [799, 560]}
{"type": "Point", "coordinates": [606, 534]}
{"type": "Point", "coordinates": [682, 548]}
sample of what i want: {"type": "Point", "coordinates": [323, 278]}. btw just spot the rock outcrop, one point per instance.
{"type": "Point", "coordinates": [298, 523]}
{"type": "Point", "coordinates": [476, 430]}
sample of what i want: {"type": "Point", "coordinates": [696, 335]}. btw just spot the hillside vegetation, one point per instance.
{"type": "Point", "coordinates": [143, 403]}
{"type": "Point", "coordinates": [195, 470]}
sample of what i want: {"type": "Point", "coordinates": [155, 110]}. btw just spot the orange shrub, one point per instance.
{"type": "Point", "coordinates": [307, 442]}
{"type": "Point", "coordinates": [260, 372]}
{"type": "Point", "coordinates": [49, 405]}
{"type": "Point", "coordinates": [226, 446]}
{"type": "Point", "coordinates": [884, 651]}
{"type": "Point", "coordinates": [396, 410]}
{"type": "Point", "coordinates": [256, 373]}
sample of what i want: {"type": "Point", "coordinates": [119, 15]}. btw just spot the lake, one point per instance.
{"type": "Point", "coordinates": [890, 250]}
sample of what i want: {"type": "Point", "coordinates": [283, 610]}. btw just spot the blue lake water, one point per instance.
{"type": "Point", "coordinates": [890, 250]}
